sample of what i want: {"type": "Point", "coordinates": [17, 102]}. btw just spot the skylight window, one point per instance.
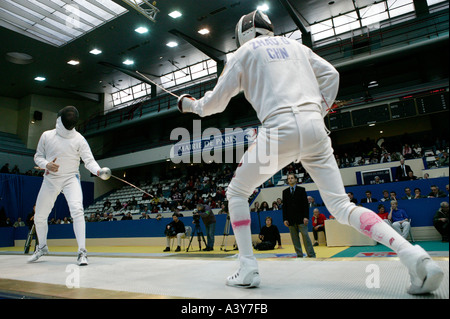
{"type": "Point", "coordinates": [57, 22]}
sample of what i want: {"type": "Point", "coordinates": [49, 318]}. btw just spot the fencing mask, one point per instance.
{"type": "Point", "coordinates": [69, 117]}
{"type": "Point", "coordinates": [252, 25]}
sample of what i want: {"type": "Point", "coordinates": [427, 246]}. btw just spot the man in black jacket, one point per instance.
{"type": "Point", "coordinates": [403, 171]}
{"type": "Point", "coordinates": [296, 216]}
{"type": "Point", "coordinates": [174, 229]}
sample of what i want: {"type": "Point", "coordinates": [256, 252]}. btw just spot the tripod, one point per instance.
{"type": "Point", "coordinates": [198, 231]}
{"type": "Point", "coordinates": [226, 232]}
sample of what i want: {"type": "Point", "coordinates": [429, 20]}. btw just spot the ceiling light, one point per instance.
{"type": "Point", "coordinates": [172, 44]}
{"type": "Point", "coordinates": [40, 78]}
{"type": "Point", "coordinates": [203, 31]}
{"type": "Point", "coordinates": [175, 14]}
{"type": "Point", "coordinates": [141, 30]}
{"type": "Point", "coordinates": [263, 7]}
{"type": "Point", "coordinates": [128, 62]}
{"type": "Point", "coordinates": [73, 62]}
{"type": "Point", "coordinates": [372, 124]}
{"type": "Point", "coordinates": [95, 51]}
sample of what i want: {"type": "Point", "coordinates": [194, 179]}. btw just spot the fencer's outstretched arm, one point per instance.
{"type": "Point", "coordinates": [86, 155]}
{"type": "Point", "coordinates": [215, 101]}
{"type": "Point", "coordinates": [39, 157]}
{"type": "Point", "coordinates": [327, 78]}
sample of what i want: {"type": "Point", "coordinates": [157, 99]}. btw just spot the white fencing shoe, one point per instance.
{"type": "Point", "coordinates": [38, 253]}
{"type": "Point", "coordinates": [82, 257]}
{"type": "Point", "coordinates": [245, 277]}
{"type": "Point", "coordinates": [426, 275]}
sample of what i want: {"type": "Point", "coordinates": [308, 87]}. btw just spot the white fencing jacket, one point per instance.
{"type": "Point", "coordinates": [274, 73]}
{"type": "Point", "coordinates": [67, 147]}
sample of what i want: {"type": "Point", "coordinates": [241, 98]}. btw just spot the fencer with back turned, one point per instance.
{"type": "Point", "coordinates": [59, 152]}
{"type": "Point", "coordinates": [291, 89]}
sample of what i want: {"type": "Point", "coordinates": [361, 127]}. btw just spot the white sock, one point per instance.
{"type": "Point", "coordinates": [240, 221]}
{"type": "Point", "coordinates": [371, 225]}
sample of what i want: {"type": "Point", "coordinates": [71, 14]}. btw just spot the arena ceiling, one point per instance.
{"type": "Point", "coordinates": [117, 39]}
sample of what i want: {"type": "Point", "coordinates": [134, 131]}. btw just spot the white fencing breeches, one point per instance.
{"type": "Point", "coordinates": [50, 189]}
{"type": "Point", "coordinates": [285, 138]}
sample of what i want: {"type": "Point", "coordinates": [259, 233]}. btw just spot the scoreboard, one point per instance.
{"type": "Point", "coordinates": [432, 103]}
{"type": "Point", "coordinates": [376, 114]}
{"type": "Point", "coordinates": [340, 120]}
{"type": "Point", "coordinates": [403, 109]}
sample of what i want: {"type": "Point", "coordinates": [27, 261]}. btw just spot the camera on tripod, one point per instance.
{"type": "Point", "coordinates": [196, 216]}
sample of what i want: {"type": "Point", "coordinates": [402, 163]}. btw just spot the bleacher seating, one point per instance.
{"type": "Point", "coordinates": [12, 143]}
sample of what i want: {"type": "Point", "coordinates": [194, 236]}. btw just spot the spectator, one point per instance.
{"type": "Point", "coordinates": [368, 198]}
{"type": "Point", "coordinates": [418, 193]}
{"type": "Point", "coordinates": [30, 218]}
{"type": "Point", "coordinates": [408, 194]}
{"type": "Point", "coordinates": [264, 207]}
{"type": "Point", "coordinates": [19, 223]}
{"type": "Point", "coordinates": [318, 223]}
{"type": "Point", "coordinates": [118, 205]}
{"type": "Point", "coordinates": [386, 158]}
{"type": "Point", "coordinates": [377, 180]}
{"type": "Point", "coordinates": [5, 169]}
{"type": "Point", "coordinates": [127, 216]}
{"type": "Point", "coordinates": [402, 171]}
{"type": "Point", "coordinates": [280, 203]}
{"type": "Point", "coordinates": [275, 206]}
{"type": "Point", "coordinates": [174, 229]}
{"type": "Point", "coordinates": [256, 207]}
{"type": "Point", "coordinates": [386, 197]}
{"type": "Point", "coordinates": [383, 214]}
{"type": "Point", "coordinates": [440, 221]}
{"type": "Point", "coordinates": [15, 170]}
{"type": "Point", "coordinates": [436, 192]}
{"type": "Point", "coordinates": [352, 198]}
{"type": "Point", "coordinates": [393, 195]}
{"type": "Point", "coordinates": [426, 176]}
{"type": "Point", "coordinates": [106, 204]}
{"type": "Point", "coordinates": [411, 176]}
{"type": "Point", "coordinates": [407, 152]}
{"type": "Point", "coordinates": [417, 149]}
{"type": "Point", "coordinates": [400, 220]}
{"type": "Point", "coordinates": [65, 221]}
{"type": "Point", "coordinates": [312, 202]}
{"type": "Point", "coordinates": [269, 236]}
{"type": "Point", "coordinates": [443, 159]}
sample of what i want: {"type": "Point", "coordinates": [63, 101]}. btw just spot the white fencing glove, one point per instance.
{"type": "Point", "coordinates": [186, 103]}
{"type": "Point", "coordinates": [104, 173]}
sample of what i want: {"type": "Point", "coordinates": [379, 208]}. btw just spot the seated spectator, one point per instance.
{"type": "Point", "coordinates": [411, 176]}
{"type": "Point", "coordinates": [19, 223]}
{"type": "Point", "coordinates": [223, 208]}
{"type": "Point", "coordinates": [264, 207]}
{"type": "Point", "coordinates": [15, 170]}
{"type": "Point", "coordinates": [280, 203]}
{"type": "Point", "coordinates": [440, 221]}
{"type": "Point", "coordinates": [393, 196]}
{"type": "Point", "coordinates": [5, 169]}
{"type": "Point", "coordinates": [256, 207]}
{"type": "Point", "coordinates": [417, 149]}
{"type": "Point", "coordinates": [386, 158]}
{"type": "Point", "coordinates": [312, 202]}
{"type": "Point", "coordinates": [377, 180]}
{"type": "Point", "coordinates": [118, 205]}
{"type": "Point", "coordinates": [158, 216]}
{"type": "Point", "coordinates": [106, 205]}
{"type": "Point", "coordinates": [318, 223]}
{"type": "Point", "coordinates": [275, 206]}
{"type": "Point", "coordinates": [368, 198]}
{"type": "Point", "coordinates": [269, 236]}
{"type": "Point", "coordinates": [436, 192]}
{"type": "Point", "coordinates": [174, 229]}
{"type": "Point", "coordinates": [418, 193]}
{"type": "Point", "coordinates": [408, 194]}
{"type": "Point", "coordinates": [352, 198]}
{"type": "Point", "coordinates": [426, 176]}
{"type": "Point", "coordinates": [127, 216]}
{"type": "Point", "coordinates": [400, 220]}
{"type": "Point", "coordinates": [407, 152]}
{"type": "Point", "coordinates": [443, 159]}
{"type": "Point", "coordinates": [386, 197]}
{"type": "Point", "coordinates": [383, 214]}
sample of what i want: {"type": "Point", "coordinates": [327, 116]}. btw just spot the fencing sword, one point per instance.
{"type": "Point", "coordinates": [122, 180]}
{"type": "Point", "coordinates": [157, 85]}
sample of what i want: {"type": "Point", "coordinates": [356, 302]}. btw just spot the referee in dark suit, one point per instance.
{"type": "Point", "coordinates": [296, 216]}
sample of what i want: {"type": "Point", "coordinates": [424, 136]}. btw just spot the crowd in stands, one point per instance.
{"type": "Point", "coordinates": [15, 170]}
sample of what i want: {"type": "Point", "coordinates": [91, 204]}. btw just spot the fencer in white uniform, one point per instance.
{"type": "Point", "coordinates": [291, 89]}
{"type": "Point", "coordinates": [59, 152]}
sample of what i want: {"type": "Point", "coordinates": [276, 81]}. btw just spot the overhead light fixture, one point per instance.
{"type": "Point", "coordinates": [175, 14]}
{"type": "Point", "coordinates": [141, 30]}
{"type": "Point", "coordinates": [372, 124]}
{"type": "Point", "coordinates": [73, 62]}
{"type": "Point", "coordinates": [40, 78]}
{"type": "Point", "coordinates": [95, 51]}
{"type": "Point", "coordinates": [203, 31]}
{"type": "Point", "coordinates": [172, 44]}
{"type": "Point", "coordinates": [263, 7]}
{"type": "Point", "coordinates": [128, 62]}
{"type": "Point", "coordinates": [372, 84]}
